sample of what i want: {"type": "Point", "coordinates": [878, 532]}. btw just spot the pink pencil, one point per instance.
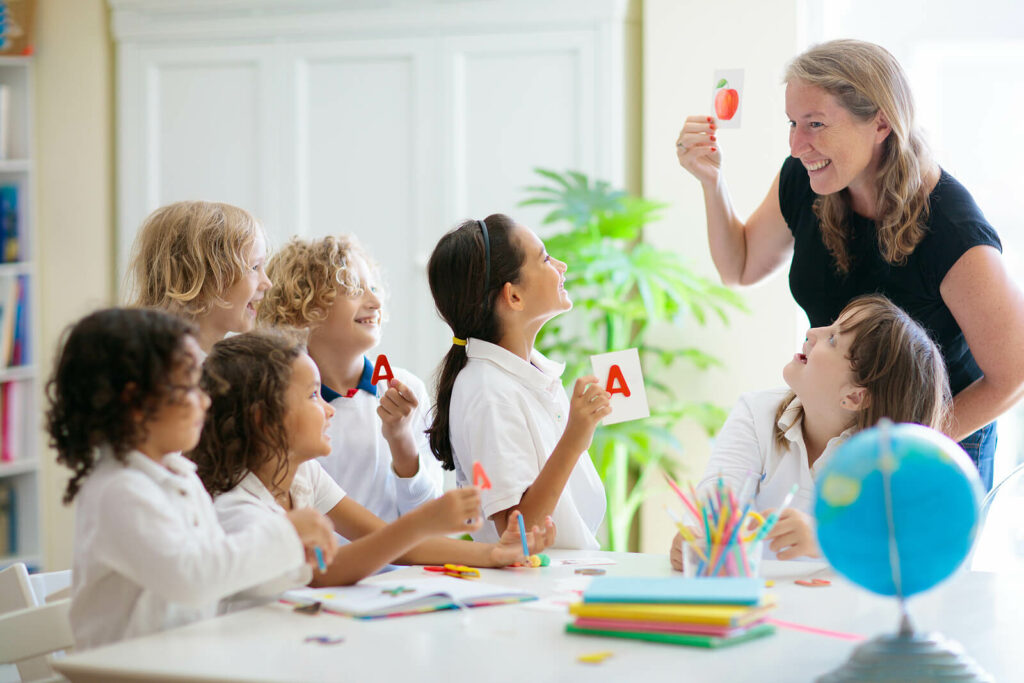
{"type": "Point", "coordinates": [679, 492]}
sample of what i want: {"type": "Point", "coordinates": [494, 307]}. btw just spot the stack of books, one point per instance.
{"type": "Point", "coordinates": [701, 612]}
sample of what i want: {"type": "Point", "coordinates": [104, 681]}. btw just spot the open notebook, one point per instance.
{"type": "Point", "coordinates": [401, 598]}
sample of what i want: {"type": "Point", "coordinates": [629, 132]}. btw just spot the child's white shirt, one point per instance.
{"type": "Point", "coordinates": [510, 414]}
{"type": "Point", "coordinates": [150, 555]}
{"type": "Point", "coordinates": [250, 502]}
{"type": "Point", "coordinates": [745, 448]}
{"type": "Point", "coordinates": [360, 459]}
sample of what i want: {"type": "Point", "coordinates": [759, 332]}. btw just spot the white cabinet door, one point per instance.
{"type": "Point", "coordinates": [196, 123]}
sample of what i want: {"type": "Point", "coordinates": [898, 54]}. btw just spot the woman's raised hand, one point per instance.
{"type": "Point", "coordinates": [697, 148]}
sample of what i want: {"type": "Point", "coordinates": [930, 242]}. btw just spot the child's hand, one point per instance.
{"type": "Point", "coordinates": [588, 405]}
{"type": "Point", "coordinates": [793, 535]}
{"type": "Point", "coordinates": [509, 549]}
{"type": "Point", "coordinates": [314, 530]}
{"type": "Point", "coordinates": [675, 553]}
{"type": "Point", "coordinates": [395, 410]}
{"type": "Point", "coordinates": [455, 511]}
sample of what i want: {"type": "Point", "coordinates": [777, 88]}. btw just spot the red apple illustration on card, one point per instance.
{"type": "Point", "coordinates": [727, 97]}
{"type": "Point", "coordinates": [727, 101]}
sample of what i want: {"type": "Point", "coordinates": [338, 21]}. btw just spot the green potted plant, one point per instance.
{"type": "Point", "coordinates": [621, 287]}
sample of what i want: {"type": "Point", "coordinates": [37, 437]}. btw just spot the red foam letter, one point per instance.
{"type": "Point", "coordinates": [615, 376]}
{"type": "Point", "coordinates": [480, 479]}
{"type": "Point", "coordinates": [382, 370]}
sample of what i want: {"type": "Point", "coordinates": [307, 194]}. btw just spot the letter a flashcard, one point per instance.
{"type": "Point", "coordinates": [620, 375]}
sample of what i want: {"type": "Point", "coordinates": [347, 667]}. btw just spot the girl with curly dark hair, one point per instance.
{"type": "Point", "coordinates": [266, 427]}
{"type": "Point", "coordinates": [124, 400]}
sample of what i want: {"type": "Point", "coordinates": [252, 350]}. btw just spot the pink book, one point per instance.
{"type": "Point", "coordinates": [664, 626]}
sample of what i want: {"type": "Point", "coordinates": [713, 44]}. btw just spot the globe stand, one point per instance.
{"type": "Point", "coordinates": [908, 656]}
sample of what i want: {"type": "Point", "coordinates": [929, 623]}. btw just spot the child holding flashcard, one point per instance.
{"type": "Point", "coordinates": [203, 261]}
{"type": "Point", "coordinates": [873, 362]}
{"type": "Point", "coordinates": [149, 553]}
{"type": "Point", "coordinates": [379, 453]}
{"type": "Point", "coordinates": [501, 402]}
{"type": "Point", "coordinates": [266, 428]}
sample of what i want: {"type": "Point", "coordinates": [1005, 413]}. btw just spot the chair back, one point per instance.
{"type": "Point", "coordinates": [1000, 543]}
{"type": "Point", "coordinates": [30, 629]}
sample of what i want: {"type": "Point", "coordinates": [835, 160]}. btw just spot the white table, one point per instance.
{"type": "Point", "coordinates": [984, 612]}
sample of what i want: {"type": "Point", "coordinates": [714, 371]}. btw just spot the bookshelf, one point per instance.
{"type": "Point", "coordinates": [20, 476]}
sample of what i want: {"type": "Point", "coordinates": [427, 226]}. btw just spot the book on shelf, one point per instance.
{"type": "Point", "coordinates": [10, 244]}
{"type": "Point", "coordinates": [12, 397]}
{"type": "Point", "coordinates": [5, 119]}
{"type": "Point", "coordinates": [402, 598]}
{"type": "Point", "coordinates": [8, 518]}
{"type": "Point", "coordinates": [9, 287]}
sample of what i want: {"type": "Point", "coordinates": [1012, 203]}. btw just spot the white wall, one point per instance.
{"type": "Point", "coordinates": [683, 43]}
{"type": "Point", "coordinates": [74, 202]}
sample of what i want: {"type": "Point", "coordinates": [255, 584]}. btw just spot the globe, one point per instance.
{"type": "Point", "coordinates": [917, 538]}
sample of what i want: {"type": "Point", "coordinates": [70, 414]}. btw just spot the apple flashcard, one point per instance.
{"type": "Point", "coordinates": [727, 97]}
{"type": "Point", "coordinates": [620, 374]}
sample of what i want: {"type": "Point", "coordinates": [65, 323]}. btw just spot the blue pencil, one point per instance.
{"type": "Point", "coordinates": [522, 535]}
{"type": "Point", "coordinates": [321, 565]}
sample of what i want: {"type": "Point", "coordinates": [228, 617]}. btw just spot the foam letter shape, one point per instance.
{"type": "Point", "coordinates": [382, 370]}
{"type": "Point", "coordinates": [615, 376]}
{"type": "Point", "coordinates": [480, 479]}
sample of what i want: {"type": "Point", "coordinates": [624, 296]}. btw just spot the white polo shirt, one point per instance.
{"type": "Point", "coordinates": [509, 414]}
{"type": "Point", "coordinates": [149, 553]}
{"type": "Point", "coordinates": [360, 459]}
{"type": "Point", "coordinates": [746, 444]}
{"type": "Point", "coordinates": [250, 502]}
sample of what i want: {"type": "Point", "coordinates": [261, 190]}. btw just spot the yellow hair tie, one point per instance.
{"type": "Point", "coordinates": [458, 342]}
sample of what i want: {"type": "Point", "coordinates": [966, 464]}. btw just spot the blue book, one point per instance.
{"type": "Point", "coordinates": [10, 249]}
{"type": "Point", "coordinates": [700, 590]}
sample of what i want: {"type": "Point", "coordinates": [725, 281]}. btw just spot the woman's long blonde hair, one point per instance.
{"type": "Point", "coordinates": [895, 360]}
{"type": "Point", "coordinates": [865, 79]}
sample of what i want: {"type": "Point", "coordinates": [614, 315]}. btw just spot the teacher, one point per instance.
{"type": "Point", "coordinates": [861, 207]}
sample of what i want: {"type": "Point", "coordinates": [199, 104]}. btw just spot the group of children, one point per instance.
{"type": "Point", "coordinates": [224, 429]}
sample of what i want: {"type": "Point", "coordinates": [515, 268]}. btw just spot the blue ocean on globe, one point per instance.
{"type": "Point", "coordinates": [936, 494]}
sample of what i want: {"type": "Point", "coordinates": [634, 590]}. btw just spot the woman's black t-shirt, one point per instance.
{"type": "Point", "coordinates": [955, 224]}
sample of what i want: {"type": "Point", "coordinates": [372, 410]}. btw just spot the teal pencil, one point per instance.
{"type": "Point", "coordinates": [774, 517]}
{"type": "Point", "coordinates": [522, 535]}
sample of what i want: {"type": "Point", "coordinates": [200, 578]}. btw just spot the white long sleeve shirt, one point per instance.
{"type": "Point", "coordinates": [510, 414]}
{"type": "Point", "coordinates": [746, 448]}
{"type": "Point", "coordinates": [360, 459]}
{"type": "Point", "coordinates": [149, 553]}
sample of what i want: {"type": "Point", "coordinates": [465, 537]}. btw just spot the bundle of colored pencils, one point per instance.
{"type": "Point", "coordinates": [729, 545]}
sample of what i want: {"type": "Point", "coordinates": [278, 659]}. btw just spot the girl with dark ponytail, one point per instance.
{"type": "Point", "coordinates": [499, 400]}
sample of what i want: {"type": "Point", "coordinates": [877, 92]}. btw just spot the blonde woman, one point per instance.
{"type": "Point", "coordinates": [204, 261]}
{"type": "Point", "coordinates": [861, 207]}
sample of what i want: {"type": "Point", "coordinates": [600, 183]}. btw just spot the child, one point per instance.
{"type": "Point", "coordinates": [499, 400]}
{"type": "Point", "coordinates": [202, 260]}
{"type": "Point", "coordinates": [873, 362]}
{"type": "Point", "coordinates": [265, 429]}
{"type": "Point", "coordinates": [379, 453]}
{"type": "Point", "coordinates": [149, 553]}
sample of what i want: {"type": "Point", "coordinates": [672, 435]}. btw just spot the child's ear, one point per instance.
{"type": "Point", "coordinates": [510, 297]}
{"type": "Point", "coordinates": [855, 399]}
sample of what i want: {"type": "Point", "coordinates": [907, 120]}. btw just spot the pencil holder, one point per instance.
{"type": "Point", "coordinates": [737, 559]}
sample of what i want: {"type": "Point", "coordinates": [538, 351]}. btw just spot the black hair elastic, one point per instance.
{"type": "Point", "coordinates": [487, 254]}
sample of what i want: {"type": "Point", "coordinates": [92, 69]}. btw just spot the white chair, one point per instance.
{"type": "Point", "coordinates": [1000, 543]}
{"type": "Point", "coordinates": [51, 586]}
{"type": "Point", "coordinates": [29, 631]}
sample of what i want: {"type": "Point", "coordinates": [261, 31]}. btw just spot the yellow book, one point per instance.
{"type": "Point", "coordinates": [721, 615]}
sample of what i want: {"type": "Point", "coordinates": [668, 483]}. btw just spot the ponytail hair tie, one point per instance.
{"type": "Point", "coordinates": [458, 342]}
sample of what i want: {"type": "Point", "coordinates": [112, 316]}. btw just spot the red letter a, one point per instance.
{"type": "Point", "coordinates": [615, 376]}
{"type": "Point", "coordinates": [382, 365]}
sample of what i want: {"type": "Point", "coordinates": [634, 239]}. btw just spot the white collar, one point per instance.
{"type": "Point", "coordinates": [791, 424]}
{"type": "Point", "coordinates": [171, 466]}
{"type": "Point", "coordinates": [539, 373]}
{"type": "Point", "coordinates": [300, 490]}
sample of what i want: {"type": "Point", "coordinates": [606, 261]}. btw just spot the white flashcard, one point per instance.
{"type": "Point", "coordinates": [619, 374]}
{"type": "Point", "coordinates": [727, 97]}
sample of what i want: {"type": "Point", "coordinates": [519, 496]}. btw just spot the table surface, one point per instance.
{"type": "Point", "coordinates": [983, 612]}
